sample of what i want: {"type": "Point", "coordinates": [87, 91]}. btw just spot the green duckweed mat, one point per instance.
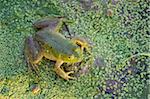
{"type": "Point", "coordinates": [119, 31]}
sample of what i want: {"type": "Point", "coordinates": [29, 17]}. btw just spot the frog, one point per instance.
{"type": "Point", "coordinates": [50, 43]}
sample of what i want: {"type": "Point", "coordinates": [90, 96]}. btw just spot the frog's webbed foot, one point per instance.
{"type": "Point", "coordinates": [62, 73]}
{"type": "Point", "coordinates": [82, 43]}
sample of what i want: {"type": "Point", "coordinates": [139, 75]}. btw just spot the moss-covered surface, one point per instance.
{"type": "Point", "coordinates": [119, 32]}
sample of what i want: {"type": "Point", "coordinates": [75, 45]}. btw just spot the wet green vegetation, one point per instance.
{"type": "Point", "coordinates": [118, 31]}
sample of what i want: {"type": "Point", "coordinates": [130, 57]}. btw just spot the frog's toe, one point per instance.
{"type": "Point", "coordinates": [71, 77]}
{"type": "Point", "coordinates": [70, 72]}
{"type": "Point", "coordinates": [67, 77]}
{"type": "Point", "coordinates": [63, 74]}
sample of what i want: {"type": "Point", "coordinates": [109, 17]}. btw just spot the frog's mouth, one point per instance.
{"type": "Point", "coordinates": [72, 59]}
{"type": "Point", "coordinates": [77, 60]}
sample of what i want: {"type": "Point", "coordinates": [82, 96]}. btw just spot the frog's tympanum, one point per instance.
{"type": "Point", "coordinates": [48, 42]}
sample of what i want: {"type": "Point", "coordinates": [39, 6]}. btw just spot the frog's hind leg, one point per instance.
{"type": "Point", "coordinates": [51, 23]}
{"type": "Point", "coordinates": [33, 53]}
{"type": "Point", "coordinates": [63, 25]}
{"type": "Point", "coordinates": [55, 24]}
{"type": "Point", "coordinates": [62, 73]}
{"type": "Point", "coordinates": [82, 43]}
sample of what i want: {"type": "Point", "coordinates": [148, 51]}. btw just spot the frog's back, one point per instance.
{"type": "Point", "coordinates": [56, 41]}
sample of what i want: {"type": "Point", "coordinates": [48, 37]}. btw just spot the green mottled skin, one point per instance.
{"type": "Point", "coordinates": [58, 45]}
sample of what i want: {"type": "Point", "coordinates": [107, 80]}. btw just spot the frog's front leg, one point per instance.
{"type": "Point", "coordinates": [82, 43]}
{"type": "Point", "coordinates": [61, 72]}
{"type": "Point", "coordinates": [33, 53]}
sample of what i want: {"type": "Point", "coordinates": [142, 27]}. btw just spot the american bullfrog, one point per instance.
{"type": "Point", "coordinates": [48, 42]}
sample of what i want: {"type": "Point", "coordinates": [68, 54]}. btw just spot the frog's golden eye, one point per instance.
{"type": "Point", "coordinates": [71, 57]}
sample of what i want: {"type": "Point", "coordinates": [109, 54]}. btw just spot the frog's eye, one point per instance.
{"type": "Point", "coordinates": [71, 57]}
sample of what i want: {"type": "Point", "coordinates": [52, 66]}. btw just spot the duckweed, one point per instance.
{"type": "Point", "coordinates": [119, 39]}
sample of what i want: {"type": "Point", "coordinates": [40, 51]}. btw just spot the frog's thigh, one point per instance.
{"type": "Point", "coordinates": [33, 52]}
{"type": "Point", "coordinates": [54, 24]}
{"type": "Point", "coordinates": [47, 22]}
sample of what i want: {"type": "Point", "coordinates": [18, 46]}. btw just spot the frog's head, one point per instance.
{"type": "Point", "coordinates": [76, 56]}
